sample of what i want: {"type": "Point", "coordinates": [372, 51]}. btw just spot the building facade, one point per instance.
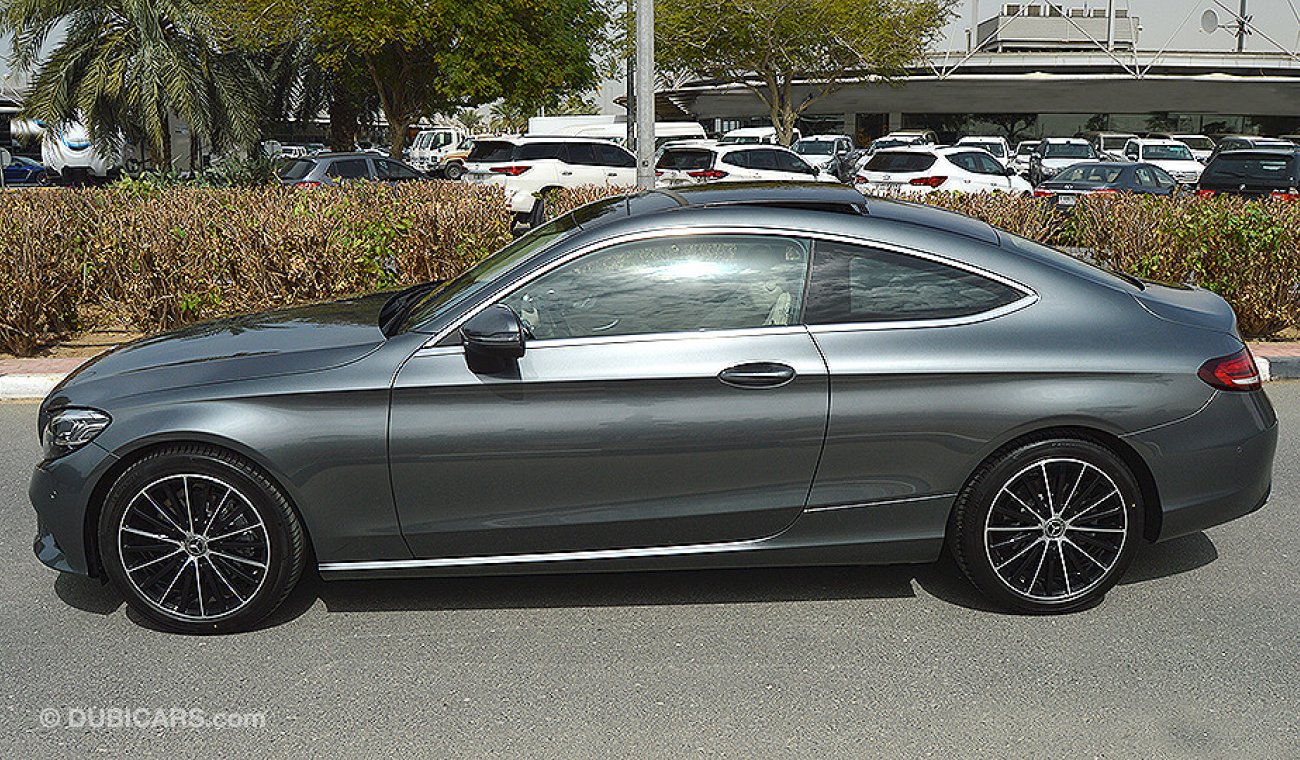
{"type": "Point", "coordinates": [1042, 68]}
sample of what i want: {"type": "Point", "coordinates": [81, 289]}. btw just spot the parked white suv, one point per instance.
{"type": "Point", "coordinates": [818, 150]}
{"type": "Point", "coordinates": [997, 146]}
{"type": "Point", "coordinates": [754, 136]}
{"type": "Point", "coordinates": [1056, 153]}
{"type": "Point", "coordinates": [1171, 155]}
{"type": "Point", "coordinates": [924, 169]}
{"type": "Point", "coordinates": [528, 166]}
{"type": "Point", "coordinates": [1024, 150]}
{"type": "Point", "coordinates": [690, 163]}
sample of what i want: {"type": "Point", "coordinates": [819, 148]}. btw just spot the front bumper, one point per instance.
{"type": "Point", "coordinates": [1214, 466]}
{"type": "Point", "coordinates": [60, 490]}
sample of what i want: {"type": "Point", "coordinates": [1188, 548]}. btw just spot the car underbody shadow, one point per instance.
{"type": "Point", "coordinates": [942, 580]}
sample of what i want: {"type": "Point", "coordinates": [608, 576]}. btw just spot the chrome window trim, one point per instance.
{"type": "Point", "coordinates": [1030, 296]}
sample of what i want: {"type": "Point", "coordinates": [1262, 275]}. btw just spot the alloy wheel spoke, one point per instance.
{"type": "Point", "coordinates": [1032, 560]}
{"type": "Point", "coordinates": [232, 533]}
{"type": "Point", "coordinates": [154, 536]}
{"type": "Point", "coordinates": [155, 560]}
{"type": "Point", "coordinates": [162, 512]}
{"type": "Point", "coordinates": [217, 509]}
{"type": "Point", "coordinates": [222, 577]}
{"type": "Point", "coordinates": [237, 558]}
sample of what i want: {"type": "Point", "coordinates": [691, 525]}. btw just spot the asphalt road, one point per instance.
{"type": "Point", "coordinates": [1197, 654]}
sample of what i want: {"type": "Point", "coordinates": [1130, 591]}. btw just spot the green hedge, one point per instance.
{"type": "Point", "coordinates": [1246, 251]}
{"type": "Point", "coordinates": [150, 258]}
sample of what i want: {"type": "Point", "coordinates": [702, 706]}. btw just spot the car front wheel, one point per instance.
{"type": "Point", "coordinates": [1048, 526]}
{"type": "Point", "coordinates": [200, 541]}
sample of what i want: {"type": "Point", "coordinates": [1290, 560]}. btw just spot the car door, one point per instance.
{"type": "Point", "coordinates": [667, 395]}
{"type": "Point", "coordinates": [906, 340]}
{"type": "Point", "coordinates": [738, 166]}
{"type": "Point", "coordinates": [792, 167]}
{"type": "Point", "coordinates": [579, 166]}
{"type": "Point", "coordinates": [390, 171]}
{"type": "Point", "coordinates": [991, 175]}
{"type": "Point", "coordinates": [619, 165]}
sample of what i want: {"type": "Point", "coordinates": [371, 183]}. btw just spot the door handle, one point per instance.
{"type": "Point", "coordinates": [566, 174]}
{"type": "Point", "coordinates": [757, 375]}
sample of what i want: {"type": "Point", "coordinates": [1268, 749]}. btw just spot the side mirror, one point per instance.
{"type": "Point", "coordinates": [1010, 171]}
{"type": "Point", "coordinates": [493, 338]}
{"type": "Point", "coordinates": [6, 157]}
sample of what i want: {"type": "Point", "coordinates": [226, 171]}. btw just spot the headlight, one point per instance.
{"type": "Point", "coordinates": [70, 429]}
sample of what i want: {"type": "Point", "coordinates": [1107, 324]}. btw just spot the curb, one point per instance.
{"type": "Point", "coordinates": [27, 387]}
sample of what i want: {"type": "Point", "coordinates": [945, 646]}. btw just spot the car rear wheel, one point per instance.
{"type": "Point", "coordinates": [200, 541]}
{"type": "Point", "coordinates": [453, 171]}
{"type": "Point", "coordinates": [1048, 526]}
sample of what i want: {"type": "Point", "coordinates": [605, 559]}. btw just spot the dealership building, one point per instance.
{"type": "Point", "coordinates": [1041, 68]}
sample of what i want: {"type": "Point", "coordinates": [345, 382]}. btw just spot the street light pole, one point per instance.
{"type": "Point", "coordinates": [645, 94]}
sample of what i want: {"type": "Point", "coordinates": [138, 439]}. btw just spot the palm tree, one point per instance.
{"type": "Point", "coordinates": [128, 68]}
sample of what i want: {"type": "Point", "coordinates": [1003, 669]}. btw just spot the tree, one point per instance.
{"type": "Point", "coordinates": [470, 119]}
{"type": "Point", "coordinates": [1013, 125]}
{"type": "Point", "coordinates": [427, 57]}
{"type": "Point", "coordinates": [773, 46]}
{"type": "Point", "coordinates": [126, 68]}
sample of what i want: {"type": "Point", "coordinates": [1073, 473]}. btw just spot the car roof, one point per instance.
{"type": "Point", "coordinates": [822, 138]}
{"type": "Point", "coordinates": [1261, 153]}
{"type": "Point", "coordinates": [1072, 140]}
{"type": "Point", "coordinates": [531, 138]}
{"type": "Point", "coordinates": [341, 154]}
{"type": "Point", "coordinates": [804, 196]}
{"type": "Point", "coordinates": [981, 138]}
{"type": "Point", "coordinates": [746, 131]}
{"type": "Point", "coordinates": [1156, 141]}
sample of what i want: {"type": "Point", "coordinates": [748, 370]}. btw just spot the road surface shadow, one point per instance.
{"type": "Point", "coordinates": [942, 580]}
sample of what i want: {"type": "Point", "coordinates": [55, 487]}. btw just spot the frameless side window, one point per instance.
{"type": "Point", "coordinates": [687, 284]}
{"type": "Point", "coordinates": [583, 154]}
{"type": "Point", "coordinates": [391, 170]}
{"type": "Point", "coordinates": [612, 155]}
{"type": "Point", "coordinates": [857, 284]}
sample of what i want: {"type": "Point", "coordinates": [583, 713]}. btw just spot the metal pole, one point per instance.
{"type": "Point", "coordinates": [973, 40]}
{"type": "Point", "coordinates": [645, 94]}
{"type": "Point", "coordinates": [1241, 28]}
{"type": "Point", "coordinates": [630, 117]}
{"type": "Point", "coordinates": [1110, 24]}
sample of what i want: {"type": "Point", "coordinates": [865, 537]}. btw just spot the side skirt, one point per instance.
{"type": "Point", "coordinates": [880, 533]}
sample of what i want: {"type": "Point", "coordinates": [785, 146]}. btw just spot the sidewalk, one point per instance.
{"type": "Point", "coordinates": [34, 378]}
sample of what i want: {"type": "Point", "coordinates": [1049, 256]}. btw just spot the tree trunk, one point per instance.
{"type": "Point", "coordinates": [344, 117]}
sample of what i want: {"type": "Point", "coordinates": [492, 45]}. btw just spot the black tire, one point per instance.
{"type": "Point", "coordinates": [1048, 525]}
{"type": "Point", "coordinates": [151, 519]}
{"type": "Point", "coordinates": [538, 215]}
{"type": "Point", "coordinates": [453, 172]}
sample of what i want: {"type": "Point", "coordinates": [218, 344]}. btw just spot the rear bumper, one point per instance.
{"type": "Point", "coordinates": [1214, 466]}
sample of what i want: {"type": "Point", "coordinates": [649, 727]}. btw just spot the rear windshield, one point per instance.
{"type": "Point", "coordinates": [1271, 169]}
{"type": "Point", "coordinates": [1068, 150]}
{"type": "Point", "coordinates": [491, 151]}
{"type": "Point", "coordinates": [1114, 143]}
{"type": "Point", "coordinates": [296, 169]}
{"type": "Point", "coordinates": [1101, 173]}
{"type": "Point", "coordinates": [740, 140]}
{"type": "Point", "coordinates": [678, 158]}
{"type": "Point", "coordinates": [900, 162]}
{"type": "Point", "coordinates": [1197, 143]}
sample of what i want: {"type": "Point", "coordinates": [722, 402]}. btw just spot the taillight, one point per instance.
{"type": "Point", "coordinates": [659, 173]}
{"type": "Point", "coordinates": [307, 184]}
{"type": "Point", "coordinates": [1105, 191]}
{"type": "Point", "coordinates": [1043, 193]}
{"type": "Point", "coordinates": [707, 174]}
{"type": "Point", "coordinates": [513, 171]}
{"type": "Point", "coordinates": [861, 179]}
{"type": "Point", "coordinates": [928, 181]}
{"type": "Point", "coordinates": [1236, 372]}
{"type": "Point", "coordinates": [1290, 194]}
{"type": "Point", "coordinates": [1203, 193]}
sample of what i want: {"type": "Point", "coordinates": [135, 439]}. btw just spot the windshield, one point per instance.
{"type": "Point", "coordinates": [1069, 150]}
{"type": "Point", "coordinates": [739, 140]}
{"type": "Point", "coordinates": [487, 271]}
{"type": "Point", "coordinates": [1115, 142]}
{"type": "Point", "coordinates": [1025, 149]}
{"type": "Point", "coordinates": [1105, 174]}
{"type": "Point", "coordinates": [882, 144]}
{"type": "Point", "coordinates": [1167, 153]}
{"type": "Point", "coordinates": [1197, 143]}
{"type": "Point", "coordinates": [814, 147]}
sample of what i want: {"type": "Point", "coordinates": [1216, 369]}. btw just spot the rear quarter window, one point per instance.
{"type": "Point", "coordinates": [296, 169]}
{"type": "Point", "coordinates": [858, 284]}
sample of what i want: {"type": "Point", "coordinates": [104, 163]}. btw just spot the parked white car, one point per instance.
{"type": "Point", "coordinates": [1109, 145]}
{"type": "Point", "coordinates": [914, 136]}
{"type": "Point", "coordinates": [754, 136]}
{"type": "Point", "coordinates": [819, 150]}
{"type": "Point", "coordinates": [1056, 153]}
{"type": "Point", "coordinates": [1200, 145]}
{"type": "Point", "coordinates": [690, 163]}
{"type": "Point", "coordinates": [528, 166]}
{"type": "Point", "coordinates": [1020, 161]}
{"type": "Point", "coordinates": [1171, 155]}
{"type": "Point", "coordinates": [997, 146]}
{"type": "Point", "coordinates": [922, 169]}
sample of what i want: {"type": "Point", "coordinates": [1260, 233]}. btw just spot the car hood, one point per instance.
{"type": "Point", "coordinates": [291, 341]}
